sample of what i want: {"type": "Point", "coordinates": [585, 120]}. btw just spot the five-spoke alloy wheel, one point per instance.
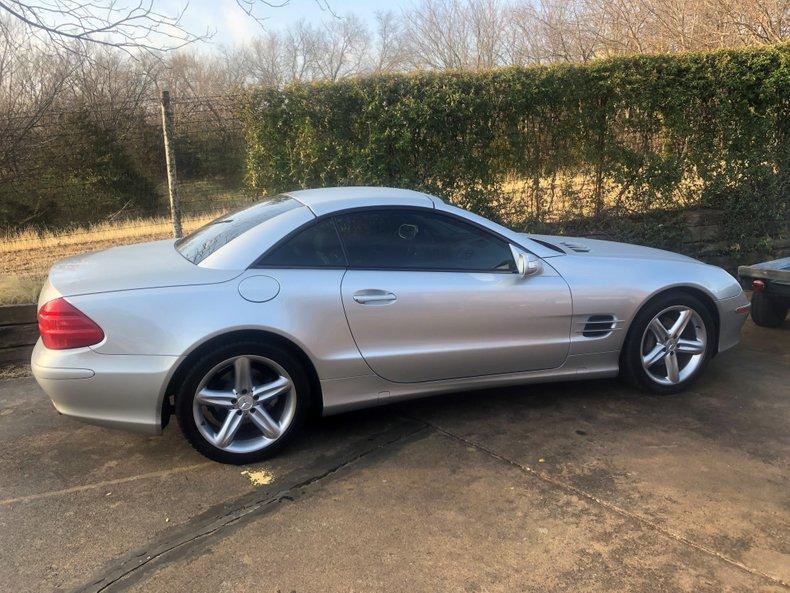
{"type": "Point", "coordinates": [668, 344]}
{"type": "Point", "coordinates": [240, 403]}
{"type": "Point", "coordinates": [673, 345]}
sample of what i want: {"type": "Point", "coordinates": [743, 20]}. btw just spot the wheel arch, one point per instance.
{"type": "Point", "coordinates": [316, 403]}
{"type": "Point", "coordinates": [700, 294]}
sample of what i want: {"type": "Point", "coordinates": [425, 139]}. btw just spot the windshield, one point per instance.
{"type": "Point", "coordinates": [209, 238]}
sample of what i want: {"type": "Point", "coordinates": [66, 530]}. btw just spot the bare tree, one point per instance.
{"type": "Point", "coordinates": [250, 8]}
{"type": "Point", "coordinates": [488, 21]}
{"type": "Point", "coordinates": [299, 51]}
{"type": "Point", "coordinates": [524, 43]}
{"type": "Point", "coordinates": [748, 22]}
{"type": "Point", "coordinates": [437, 35]}
{"type": "Point", "coordinates": [30, 82]}
{"type": "Point", "coordinates": [340, 48]}
{"type": "Point", "coordinates": [617, 26]}
{"type": "Point", "coordinates": [71, 25]}
{"type": "Point", "coordinates": [458, 34]}
{"type": "Point", "coordinates": [579, 30]}
{"type": "Point", "coordinates": [566, 31]}
{"type": "Point", "coordinates": [110, 85]}
{"type": "Point", "coordinates": [266, 60]}
{"type": "Point", "coordinates": [389, 50]}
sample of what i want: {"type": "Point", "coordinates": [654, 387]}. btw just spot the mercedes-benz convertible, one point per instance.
{"type": "Point", "coordinates": [331, 299]}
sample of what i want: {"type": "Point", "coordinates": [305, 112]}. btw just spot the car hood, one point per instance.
{"type": "Point", "coordinates": [146, 265]}
{"type": "Point", "coordinates": [580, 246]}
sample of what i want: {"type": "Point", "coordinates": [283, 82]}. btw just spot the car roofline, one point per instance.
{"type": "Point", "coordinates": [326, 200]}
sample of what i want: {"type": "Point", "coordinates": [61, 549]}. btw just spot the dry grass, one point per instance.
{"type": "Point", "coordinates": [126, 232]}
{"type": "Point", "coordinates": [26, 256]}
{"type": "Point", "coordinates": [19, 289]}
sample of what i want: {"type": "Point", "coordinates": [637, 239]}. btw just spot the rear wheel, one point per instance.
{"type": "Point", "coordinates": [243, 402]}
{"type": "Point", "coordinates": [669, 344]}
{"type": "Point", "coordinates": [766, 312]}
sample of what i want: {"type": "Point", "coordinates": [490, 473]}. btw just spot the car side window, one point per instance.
{"type": "Point", "coordinates": [317, 246]}
{"type": "Point", "coordinates": [414, 240]}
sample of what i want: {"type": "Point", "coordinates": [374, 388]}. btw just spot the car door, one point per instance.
{"type": "Point", "coordinates": [429, 296]}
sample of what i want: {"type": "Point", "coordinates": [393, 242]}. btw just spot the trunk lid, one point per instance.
{"type": "Point", "coordinates": [156, 264]}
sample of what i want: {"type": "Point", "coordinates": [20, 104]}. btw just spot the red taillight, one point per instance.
{"type": "Point", "coordinates": [63, 326]}
{"type": "Point", "coordinates": [758, 286]}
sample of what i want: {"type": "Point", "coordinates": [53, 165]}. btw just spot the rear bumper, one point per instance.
{"type": "Point", "coordinates": [732, 316]}
{"type": "Point", "coordinates": [118, 391]}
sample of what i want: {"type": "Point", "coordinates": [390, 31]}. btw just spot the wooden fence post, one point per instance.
{"type": "Point", "coordinates": [170, 158]}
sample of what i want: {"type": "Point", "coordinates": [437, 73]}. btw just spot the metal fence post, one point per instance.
{"type": "Point", "coordinates": [170, 158]}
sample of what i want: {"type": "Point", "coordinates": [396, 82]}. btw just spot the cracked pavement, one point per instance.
{"type": "Point", "coordinates": [584, 486]}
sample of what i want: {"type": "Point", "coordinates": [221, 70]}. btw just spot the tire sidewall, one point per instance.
{"type": "Point", "coordinates": [631, 360]}
{"type": "Point", "coordinates": [188, 388]}
{"type": "Point", "coordinates": [766, 312]}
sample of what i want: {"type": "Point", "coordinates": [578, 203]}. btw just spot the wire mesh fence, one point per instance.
{"type": "Point", "coordinates": [66, 172]}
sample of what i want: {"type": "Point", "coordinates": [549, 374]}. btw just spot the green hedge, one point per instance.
{"type": "Point", "coordinates": [530, 146]}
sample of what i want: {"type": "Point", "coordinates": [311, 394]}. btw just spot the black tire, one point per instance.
{"type": "Point", "coordinates": [767, 312]}
{"type": "Point", "coordinates": [194, 376]}
{"type": "Point", "coordinates": [631, 368]}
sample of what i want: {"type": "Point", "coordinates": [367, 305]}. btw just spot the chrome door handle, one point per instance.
{"type": "Point", "coordinates": [364, 297]}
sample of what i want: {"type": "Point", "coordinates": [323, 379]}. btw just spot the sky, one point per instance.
{"type": "Point", "coordinates": [232, 26]}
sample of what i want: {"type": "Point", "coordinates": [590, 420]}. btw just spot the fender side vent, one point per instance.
{"type": "Point", "coordinates": [598, 326]}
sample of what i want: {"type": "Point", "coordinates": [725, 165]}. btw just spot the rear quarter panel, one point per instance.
{"type": "Point", "coordinates": [174, 321]}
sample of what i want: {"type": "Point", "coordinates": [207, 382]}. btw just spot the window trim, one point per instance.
{"type": "Point", "coordinates": [258, 263]}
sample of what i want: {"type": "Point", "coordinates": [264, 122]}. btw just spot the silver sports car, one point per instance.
{"type": "Point", "coordinates": [332, 299]}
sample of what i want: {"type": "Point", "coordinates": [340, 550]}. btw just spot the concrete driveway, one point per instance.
{"type": "Point", "coordinates": [565, 487]}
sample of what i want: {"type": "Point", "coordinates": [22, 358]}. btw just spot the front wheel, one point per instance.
{"type": "Point", "coordinates": [242, 402]}
{"type": "Point", "coordinates": [669, 344]}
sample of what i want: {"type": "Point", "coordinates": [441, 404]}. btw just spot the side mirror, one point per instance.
{"type": "Point", "coordinates": [527, 264]}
